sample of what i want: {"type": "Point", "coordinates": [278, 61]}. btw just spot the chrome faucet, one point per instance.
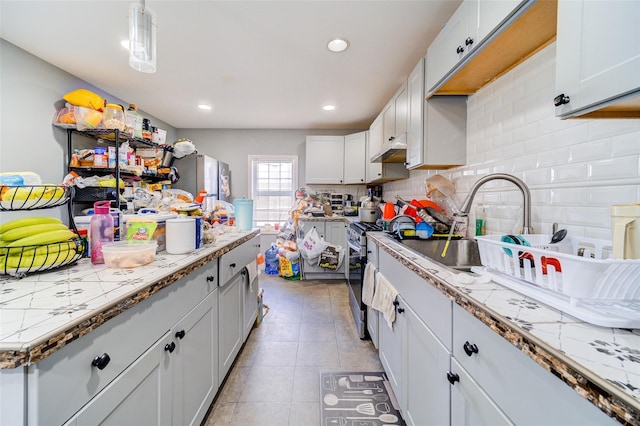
{"type": "Point", "coordinates": [526, 195]}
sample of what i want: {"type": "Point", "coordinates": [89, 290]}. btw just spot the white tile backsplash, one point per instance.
{"type": "Point", "coordinates": [575, 168]}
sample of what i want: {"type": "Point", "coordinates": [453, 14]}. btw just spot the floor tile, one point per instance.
{"type": "Point", "coordinates": [317, 332]}
{"type": "Point", "coordinates": [274, 384]}
{"type": "Point", "coordinates": [276, 354]}
{"type": "Point", "coordinates": [304, 414]}
{"type": "Point", "coordinates": [306, 382]}
{"type": "Point", "coordinates": [317, 354]}
{"type": "Point", "coordinates": [261, 414]}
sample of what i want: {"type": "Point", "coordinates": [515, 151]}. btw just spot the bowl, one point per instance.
{"type": "Point", "coordinates": [129, 254]}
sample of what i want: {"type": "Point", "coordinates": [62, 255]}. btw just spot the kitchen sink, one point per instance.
{"type": "Point", "coordinates": [461, 254]}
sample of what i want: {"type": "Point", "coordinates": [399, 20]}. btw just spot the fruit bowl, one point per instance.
{"type": "Point", "coordinates": [31, 197]}
{"type": "Point", "coordinates": [129, 254]}
{"type": "Point", "coordinates": [18, 261]}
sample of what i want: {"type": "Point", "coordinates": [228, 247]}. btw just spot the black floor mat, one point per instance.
{"type": "Point", "coordinates": [357, 399]}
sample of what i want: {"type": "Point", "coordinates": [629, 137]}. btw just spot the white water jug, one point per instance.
{"type": "Point", "coordinates": [625, 229]}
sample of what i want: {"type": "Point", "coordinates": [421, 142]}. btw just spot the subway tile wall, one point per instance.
{"type": "Point", "coordinates": [575, 168]}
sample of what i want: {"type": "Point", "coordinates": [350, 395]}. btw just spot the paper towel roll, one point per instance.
{"type": "Point", "coordinates": [181, 235]}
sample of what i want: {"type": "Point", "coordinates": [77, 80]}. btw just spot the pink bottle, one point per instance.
{"type": "Point", "coordinates": [101, 230]}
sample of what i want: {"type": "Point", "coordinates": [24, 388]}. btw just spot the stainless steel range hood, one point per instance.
{"type": "Point", "coordinates": [393, 152]}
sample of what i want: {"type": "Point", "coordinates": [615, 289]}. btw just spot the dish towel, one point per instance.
{"type": "Point", "coordinates": [368, 284]}
{"type": "Point", "coordinates": [383, 299]}
{"type": "Point", "coordinates": [252, 268]}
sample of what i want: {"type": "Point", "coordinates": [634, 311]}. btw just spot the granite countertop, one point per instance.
{"type": "Point", "coordinates": [43, 312]}
{"type": "Point", "coordinates": [601, 364]}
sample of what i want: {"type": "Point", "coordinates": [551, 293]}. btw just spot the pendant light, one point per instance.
{"type": "Point", "coordinates": [142, 38]}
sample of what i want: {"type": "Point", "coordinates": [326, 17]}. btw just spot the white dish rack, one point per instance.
{"type": "Point", "coordinates": [577, 276]}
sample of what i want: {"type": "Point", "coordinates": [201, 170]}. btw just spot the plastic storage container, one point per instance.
{"type": "Point", "coordinates": [113, 117]}
{"type": "Point", "coordinates": [101, 230]}
{"type": "Point", "coordinates": [243, 209]}
{"type": "Point", "coordinates": [129, 254]}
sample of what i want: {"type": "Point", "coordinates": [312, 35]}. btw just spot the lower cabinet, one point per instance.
{"type": "Point", "coordinates": [333, 232]}
{"type": "Point", "coordinates": [231, 321]}
{"type": "Point", "coordinates": [173, 382]}
{"type": "Point", "coordinates": [470, 405]}
{"type": "Point", "coordinates": [446, 367]}
{"type": "Point", "coordinates": [141, 395]}
{"type": "Point", "coordinates": [250, 297]}
{"type": "Point", "coordinates": [195, 362]}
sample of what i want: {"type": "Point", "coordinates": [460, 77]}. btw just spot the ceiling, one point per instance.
{"type": "Point", "coordinates": [259, 64]}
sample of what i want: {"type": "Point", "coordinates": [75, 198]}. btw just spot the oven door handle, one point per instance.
{"type": "Point", "coordinates": [353, 247]}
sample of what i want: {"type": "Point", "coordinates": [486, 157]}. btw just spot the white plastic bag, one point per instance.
{"type": "Point", "coordinates": [311, 245]}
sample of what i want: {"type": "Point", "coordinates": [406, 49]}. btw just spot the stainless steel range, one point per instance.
{"type": "Point", "coordinates": [357, 240]}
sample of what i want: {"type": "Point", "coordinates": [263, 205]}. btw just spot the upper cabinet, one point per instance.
{"type": "Point", "coordinates": [484, 39]}
{"type": "Point", "coordinates": [324, 159]}
{"type": "Point", "coordinates": [355, 150]}
{"type": "Point", "coordinates": [437, 129]}
{"type": "Point", "coordinates": [395, 116]}
{"type": "Point", "coordinates": [381, 172]}
{"type": "Point", "coordinates": [598, 59]}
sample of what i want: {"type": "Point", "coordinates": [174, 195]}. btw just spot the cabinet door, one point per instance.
{"type": "Point", "coordinates": [355, 151]}
{"type": "Point", "coordinates": [415, 91]}
{"type": "Point", "coordinates": [230, 335]}
{"type": "Point", "coordinates": [470, 405]}
{"type": "Point", "coordinates": [250, 301]}
{"type": "Point", "coordinates": [492, 13]}
{"type": "Point", "coordinates": [195, 369]}
{"type": "Point", "coordinates": [449, 47]}
{"type": "Point", "coordinates": [374, 145]}
{"type": "Point", "coordinates": [389, 122]}
{"type": "Point", "coordinates": [336, 233]}
{"type": "Point", "coordinates": [401, 101]}
{"type": "Point", "coordinates": [324, 159]}
{"type": "Point", "coordinates": [391, 353]}
{"type": "Point", "coordinates": [426, 361]}
{"type": "Point", "coordinates": [141, 395]}
{"type": "Point", "coordinates": [598, 53]}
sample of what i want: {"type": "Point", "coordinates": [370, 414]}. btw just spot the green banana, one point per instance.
{"type": "Point", "coordinates": [58, 236]}
{"type": "Point", "coordinates": [27, 221]}
{"type": "Point", "coordinates": [25, 231]}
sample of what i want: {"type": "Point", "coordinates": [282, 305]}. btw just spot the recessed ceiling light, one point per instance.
{"type": "Point", "coordinates": [205, 107]}
{"type": "Point", "coordinates": [338, 45]}
{"type": "Point", "coordinates": [328, 107]}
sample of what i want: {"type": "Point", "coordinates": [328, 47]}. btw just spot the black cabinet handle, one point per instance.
{"type": "Point", "coordinates": [233, 265]}
{"type": "Point", "coordinates": [180, 334]}
{"type": "Point", "coordinates": [561, 99]}
{"type": "Point", "coordinates": [391, 138]}
{"type": "Point", "coordinates": [460, 49]}
{"type": "Point", "coordinates": [470, 348]}
{"type": "Point", "coordinates": [395, 303]}
{"type": "Point", "coordinates": [369, 252]}
{"type": "Point", "coordinates": [101, 361]}
{"type": "Point", "coordinates": [400, 310]}
{"type": "Point", "coordinates": [243, 272]}
{"type": "Point", "coordinates": [468, 41]}
{"type": "Point", "coordinates": [170, 347]}
{"type": "Point", "coordinates": [452, 377]}
{"type": "Point", "coordinates": [211, 278]}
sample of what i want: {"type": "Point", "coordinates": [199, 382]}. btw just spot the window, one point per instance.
{"type": "Point", "coordinates": [273, 181]}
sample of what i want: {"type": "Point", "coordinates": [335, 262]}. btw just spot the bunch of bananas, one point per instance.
{"type": "Point", "coordinates": [40, 192]}
{"type": "Point", "coordinates": [36, 242]}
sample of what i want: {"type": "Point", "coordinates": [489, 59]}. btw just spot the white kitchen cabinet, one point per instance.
{"type": "Point", "coordinates": [415, 355]}
{"type": "Point", "coordinates": [470, 405]}
{"type": "Point", "coordinates": [355, 150]}
{"type": "Point", "coordinates": [381, 172]}
{"type": "Point", "coordinates": [391, 353]}
{"type": "Point", "coordinates": [389, 122]}
{"type": "Point", "coordinates": [598, 59]}
{"type": "Point", "coordinates": [401, 102]}
{"type": "Point", "coordinates": [230, 317]}
{"type": "Point", "coordinates": [426, 360]}
{"type": "Point", "coordinates": [250, 297]}
{"type": "Point", "coordinates": [455, 41]}
{"type": "Point", "coordinates": [483, 39]}
{"type": "Point", "coordinates": [324, 159]}
{"type": "Point", "coordinates": [333, 232]}
{"type": "Point", "coordinates": [195, 362]}
{"type": "Point", "coordinates": [513, 380]}
{"type": "Point", "coordinates": [141, 395]}
{"type": "Point", "coordinates": [437, 129]}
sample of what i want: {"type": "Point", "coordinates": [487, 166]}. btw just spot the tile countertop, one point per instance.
{"type": "Point", "coordinates": [41, 313]}
{"type": "Point", "coordinates": [601, 364]}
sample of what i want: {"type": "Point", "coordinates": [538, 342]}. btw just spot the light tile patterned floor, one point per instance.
{"type": "Point", "coordinates": [276, 378]}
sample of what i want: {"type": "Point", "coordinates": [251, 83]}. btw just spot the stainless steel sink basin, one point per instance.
{"type": "Point", "coordinates": [461, 254]}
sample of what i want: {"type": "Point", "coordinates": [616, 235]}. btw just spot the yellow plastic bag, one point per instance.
{"type": "Point", "coordinates": [85, 98]}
